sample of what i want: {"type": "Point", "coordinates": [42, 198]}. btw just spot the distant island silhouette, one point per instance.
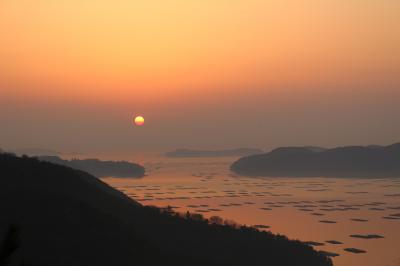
{"type": "Point", "coordinates": [213, 153]}
{"type": "Point", "coordinates": [40, 152]}
{"type": "Point", "coordinates": [352, 161]}
{"type": "Point", "coordinates": [36, 152]}
{"type": "Point", "coordinates": [56, 215]}
{"type": "Point", "coordinates": [100, 168]}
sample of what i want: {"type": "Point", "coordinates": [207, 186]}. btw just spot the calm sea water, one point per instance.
{"type": "Point", "coordinates": [308, 209]}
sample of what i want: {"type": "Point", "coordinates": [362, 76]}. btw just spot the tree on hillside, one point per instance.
{"type": "Point", "coordinates": [9, 245]}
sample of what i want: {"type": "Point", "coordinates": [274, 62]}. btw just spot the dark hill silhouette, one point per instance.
{"type": "Point", "coordinates": [351, 161]}
{"type": "Point", "coordinates": [68, 217]}
{"type": "Point", "coordinates": [100, 168]}
{"type": "Point", "coordinates": [214, 153]}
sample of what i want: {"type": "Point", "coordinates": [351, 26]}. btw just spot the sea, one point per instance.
{"type": "Point", "coordinates": [356, 221]}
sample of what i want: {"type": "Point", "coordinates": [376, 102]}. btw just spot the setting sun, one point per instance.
{"type": "Point", "coordinates": [139, 120]}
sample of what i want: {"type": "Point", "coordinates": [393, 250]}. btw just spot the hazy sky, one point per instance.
{"type": "Point", "coordinates": [204, 74]}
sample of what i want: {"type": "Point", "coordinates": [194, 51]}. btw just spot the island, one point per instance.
{"type": "Point", "coordinates": [57, 215]}
{"type": "Point", "coordinates": [212, 153]}
{"type": "Point", "coordinates": [100, 168]}
{"type": "Point", "coordinates": [36, 152]}
{"type": "Point", "coordinates": [352, 161]}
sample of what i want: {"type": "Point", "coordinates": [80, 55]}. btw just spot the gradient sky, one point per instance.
{"type": "Point", "coordinates": [205, 74]}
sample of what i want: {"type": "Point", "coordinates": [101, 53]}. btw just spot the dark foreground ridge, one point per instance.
{"type": "Point", "coordinates": [216, 153]}
{"type": "Point", "coordinates": [352, 161]}
{"type": "Point", "coordinates": [100, 168]}
{"type": "Point", "coordinates": [68, 217]}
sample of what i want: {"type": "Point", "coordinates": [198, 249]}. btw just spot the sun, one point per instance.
{"type": "Point", "coordinates": [139, 120]}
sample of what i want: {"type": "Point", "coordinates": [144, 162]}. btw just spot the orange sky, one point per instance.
{"type": "Point", "coordinates": [159, 55]}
